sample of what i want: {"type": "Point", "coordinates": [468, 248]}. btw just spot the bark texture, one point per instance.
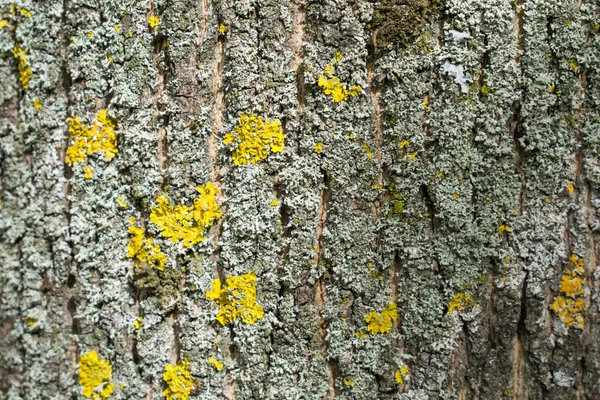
{"type": "Point", "coordinates": [467, 166]}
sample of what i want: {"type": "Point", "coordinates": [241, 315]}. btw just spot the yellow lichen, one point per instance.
{"type": "Point", "coordinates": [88, 172]}
{"type": "Point", "coordinates": [153, 22]}
{"type": "Point", "coordinates": [23, 67]}
{"type": "Point", "coordinates": [117, 28]}
{"type": "Point", "coordinates": [25, 12]}
{"type": "Point", "coordinates": [382, 323]}
{"type": "Point", "coordinates": [179, 381]}
{"type": "Point", "coordinates": [3, 24]}
{"type": "Point", "coordinates": [144, 249]}
{"type": "Point", "coordinates": [94, 376]}
{"type": "Point", "coordinates": [216, 363]}
{"type": "Point", "coordinates": [571, 308]}
{"type": "Point", "coordinates": [570, 188]}
{"type": "Point", "coordinates": [459, 302]}
{"type": "Point", "coordinates": [274, 203]}
{"type": "Point", "coordinates": [121, 201]}
{"type": "Point", "coordinates": [37, 104]}
{"type": "Point", "coordinates": [401, 374]}
{"type": "Point", "coordinates": [137, 324]}
{"type": "Point", "coordinates": [404, 143]}
{"type": "Point", "coordinates": [253, 138]}
{"type": "Point", "coordinates": [367, 150]}
{"type": "Point", "coordinates": [88, 140]}
{"type": "Point", "coordinates": [90, 34]}
{"type": "Point", "coordinates": [503, 229]}
{"type": "Point", "coordinates": [349, 383]}
{"type": "Point", "coordinates": [187, 224]}
{"type": "Point", "coordinates": [360, 335]}
{"type": "Point", "coordinates": [331, 84]}
{"type": "Point", "coordinates": [222, 29]}
{"type": "Point", "coordinates": [318, 147]}
{"type": "Point", "coordinates": [236, 299]}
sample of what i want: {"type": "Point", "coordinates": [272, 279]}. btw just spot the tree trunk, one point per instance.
{"type": "Point", "coordinates": [439, 157]}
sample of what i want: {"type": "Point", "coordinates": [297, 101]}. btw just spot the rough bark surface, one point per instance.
{"type": "Point", "coordinates": [467, 165]}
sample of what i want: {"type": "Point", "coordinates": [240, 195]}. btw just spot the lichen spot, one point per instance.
{"type": "Point", "coordinates": [571, 307]}
{"type": "Point", "coordinates": [253, 139]}
{"type": "Point", "coordinates": [143, 249]}
{"type": "Point", "coordinates": [37, 104]}
{"type": "Point", "coordinates": [178, 380]}
{"type": "Point", "coordinates": [332, 85]}
{"type": "Point", "coordinates": [502, 229]}
{"type": "Point", "coordinates": [236, 299]}
{"type": "Point", "coordinates": [401, 374]}
{"type": "Point", "coordinates": [218, 365]}
{"type": "Point", "coordinates": [458, 302]}
{"type": "Point", "coordinates": [381, 322]}
{"type": "Point", "coordinates": [153, 22]}
{"type": "Point", "coordinates": [88, 172]}
{"type": "Point", "coordinates": [94, 376]}
{"type": "Point", "coordinates": [23, 66]}
{"type": "Point", "coordinates": [318, 147]}
{"type": "Point", "coordinates": [88, 140]}
{"type": "Point", "coordinates": [222, 29]}
{"type": "Point", "coordinates": [187, 224]}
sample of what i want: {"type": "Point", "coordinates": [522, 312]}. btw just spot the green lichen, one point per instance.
{"type": "Point", "coordinates": [399, 21]}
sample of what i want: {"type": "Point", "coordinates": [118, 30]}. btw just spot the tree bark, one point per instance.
{"type": "Point", "coordinates": [460, 183]}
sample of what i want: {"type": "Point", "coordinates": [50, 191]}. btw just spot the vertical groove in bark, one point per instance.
{"type": "Point", "coordinates": [320, 289]}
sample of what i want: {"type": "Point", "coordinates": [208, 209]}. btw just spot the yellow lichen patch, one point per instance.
{"type": "Point", "coordinates": [23, 67]}
{"type": "Point", "coordinates": [25, 12]}
{"type": "Point", "coordinates": [253, 138]}
{"type": "Point", "coordinates": [187, 224]}
{"type": "Point", "coordinates": [137, 324]}
{"type": "Point", "coordinates": [367, 150]}
{"type": "Point", "coordinates": [236, 299]}
{"type": "Point", "coordinates": [360, 335]}
{"type": "Point", "coordinates": [318, 147]}
{"type": "Point", "coordinates": [144, 249]}
{"type": "Point", "coordinates": [117, 28]}
{"type": "Point", "coordinates": [94, 376]}
{"type": "Point", "coordinates": [121, 201]}
{"type": "Point", "coordinates": [3, 24]}
{"type": "Point", "coordinates": [401, 374]}
{"type": "Point", "coordinates": [404, 143]}
{"type": "Point", "coordinates": [30, 321]}
{"type": "Point", "coordinates": [37, 104]}
{"type": "Point", "coordinates": [459, 302]}
{"type": "Point", "coordinates": [90, 34]}
{"type": "Point", "coordinates": [274, 203]}
{"type": "Point", "coordinates": [381, 323]}
{"type": "Point", "coordinates": [349, 383]}
{"type": "Point", "coordinates": [218, 365]}
{"type": "Point", "coordinates": [503, 229]}
{"type": "Point", "coordinates": [153, 22]}
{"type": "Point", "coordinates": [88, 140]}
{"type": "Point", "coordinates": [570, 188]}
{"type": "Point", "coordinates": [178, 380]}
{"type": "Point", "coordinates": [88, 172]}
{"type": "Point", "coordinates": [571, 308]}
{"type": "Point", "coordinates": [331, 84]}
{"type": "Point", "coordinates": [222, 29]}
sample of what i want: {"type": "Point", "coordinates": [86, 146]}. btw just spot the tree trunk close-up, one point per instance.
{"type": "Point", "coordinates": [300, 199]}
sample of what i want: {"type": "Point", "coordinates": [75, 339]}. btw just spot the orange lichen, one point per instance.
{"type": "Point", "coordinates": [571, 308]}
{"type": "Point", "coordinates": [94, 376]}
{"type": "Point", "coordinates": [381, 323]}
{"type": "Point", "coordinates": [186, 224]}
{"type": "Point", "coordinates": [236, 299]}
{"type": "Point", "coordinates": [179, 381]}
{"type": "Point", "coordinates": [459, 302]}
{"type": "Point", "coordinates": [253, 138]}
{"type": "Point", "coordinates": [88, 140]}
{"type": "Point", "coordinates": [143, 249]}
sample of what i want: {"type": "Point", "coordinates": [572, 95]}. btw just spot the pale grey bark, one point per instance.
{"type": "Point", "coordinates": [498, 102]}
